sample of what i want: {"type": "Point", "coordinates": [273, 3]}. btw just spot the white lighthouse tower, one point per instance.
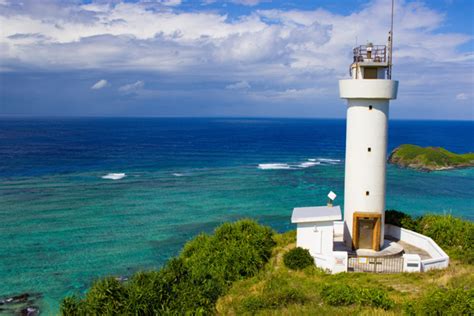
{"type": "Point", "coordinates": [368, 94]}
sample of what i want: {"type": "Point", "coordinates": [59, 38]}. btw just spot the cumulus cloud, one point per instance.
{"type": "Point", "coordinates": [462, 96]}
{"type": "Point", "coordinates": [240, 85]}
{"type": "Point", "coordinates": [285, 52]}
{"type": "Point", "coordinates": [248, 2]}
{"type": "Point", "coordinates": [100, 84]}
{"type": "Point", "coordinates": [132, 87]}
{"type": "Point", "coordinates": [170, 3]}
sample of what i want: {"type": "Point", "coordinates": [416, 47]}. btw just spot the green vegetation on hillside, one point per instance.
{"type": "Point", "coordinates": [240, 270]}
{"type": "Point", "coordinates": [429, 158]}
{"type": "Point", "coordinates": [193, 281]}
{"type": "Point", "coordinates": [454, 235]}
{"type": "Point", "coordinates": [278, 290]}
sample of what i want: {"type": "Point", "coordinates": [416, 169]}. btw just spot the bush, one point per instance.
{"type": "Point", "coordinates": [448, 231]}
{"type": "Point", "coordinates": [454, 235]}
{"type": "Point", "coordinates": [441, 301]}
{"type": "Point", "coordinates": [277, 293]}
{"type": "Point", "coordinates": [192, 282]}
{"type": "Point", "coordinates": [401, 219]}
{"type": "Point", "coordinates": [70, 306]}
{"type": "Point", "coordinates": [375, 297]}
{"type": "Point", "coordinates": [339, 294]}
{"type": "Point", "coordinates": [298, 258]}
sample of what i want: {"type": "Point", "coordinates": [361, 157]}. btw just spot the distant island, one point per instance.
{"type": "Point", "coordinates": [429, 158]}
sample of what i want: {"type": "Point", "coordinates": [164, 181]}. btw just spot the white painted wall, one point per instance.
{"type": "Point", "coordinates": [317, 237]}
{"type": "Point", "coordinates": [367, 122]}
{"type": "Point", "coordinates": [411, 263]}
{"type": "Point", "coordinates": [439, 258]}
{"type": "Point", "coordinates": [334, 263]}
{"type": "Point", "coordinates": [340, 259]}
{"type": "Point", "coordinates": [365, 171]}
{"type": "Point", "coordinates": [338, 228]}
{"type": "Point", "coordinates": [368, 89]}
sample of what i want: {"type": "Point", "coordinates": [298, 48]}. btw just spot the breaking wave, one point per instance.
{"type": "Point", "coordinates": [273, 166]}
{"type": "Point", "coordinates": [307, 164]}
{"type": "Point", "coordinates": [114, 176]}
{"type": "Point", "coordinates": [329, 161]}
{"type": "Point", "coordinates": [177, 174]}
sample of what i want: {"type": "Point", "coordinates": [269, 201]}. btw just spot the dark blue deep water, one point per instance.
{"type": "Point", "coordinates": [62, 224]}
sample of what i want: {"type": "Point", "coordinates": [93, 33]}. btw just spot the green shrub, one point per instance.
{"type": "Point", "coordinates": [298, 258]}
{"type": "Point", "coordinates": [375, 297]}
{"type": "Point", "coordinates": [283, 297]}
{"type": "Point", "coordinates": [191, 283]}
{"type": "Point", "coordinates": [453, 234]}
{"type": "Point", "coordinates": [277, 293]}
{"type": "Point", "coordinates": [106, 297]}
{"type": "Point", "coordinates": [339, 294]}
{"type": "Point", "coordinates": [441, 301]}
{"type": "Point", "coordinates": [401, 219]}
{"type": "Point", "coordinates": [71, 306]}
{"type": "Point", "coordinates": [448, 231]}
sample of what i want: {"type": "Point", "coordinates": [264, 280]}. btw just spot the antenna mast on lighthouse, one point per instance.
{"type": "Point", "coordinates": [390, 47]}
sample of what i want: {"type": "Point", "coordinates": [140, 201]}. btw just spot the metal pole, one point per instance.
{"type": "Point", "coordinates": [390, 48]}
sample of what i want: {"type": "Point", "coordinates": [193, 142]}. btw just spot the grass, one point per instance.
{"type": "Point", "coordinates": [277, 290]}
{"type": "Point", "coordinates": [429, 158]}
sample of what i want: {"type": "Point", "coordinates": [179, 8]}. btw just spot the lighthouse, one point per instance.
{"type": "Point", "coordinates": [368, 94]}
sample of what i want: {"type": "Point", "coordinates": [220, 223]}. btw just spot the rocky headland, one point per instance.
{"type": "Point", "coordinates": [429, 158]}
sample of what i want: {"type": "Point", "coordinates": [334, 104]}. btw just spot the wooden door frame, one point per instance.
{"type": "Point", "coordinates": [376, 233]}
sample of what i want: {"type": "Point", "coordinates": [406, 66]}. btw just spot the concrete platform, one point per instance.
{"type": "Point", "coordinates": [410, 249]}
{"type": "Point", "coordinates": [389, 249]}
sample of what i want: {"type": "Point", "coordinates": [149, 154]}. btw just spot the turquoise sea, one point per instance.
{"type": "Point", "coordinates": [63, 225]}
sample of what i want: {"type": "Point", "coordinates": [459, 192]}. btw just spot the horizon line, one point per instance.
{"type": "Point", "coordinates": [19, 116]}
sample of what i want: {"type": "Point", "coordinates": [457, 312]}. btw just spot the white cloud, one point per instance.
{"type": "Point", "coordinates": [240, 85]}
{"type": "Point", "coordinates": [248, 2]}
{"type": "Point", "coordinates": [287, 53]}
{"type": "Point", "coordinates": [132, 87]}
{"type": "Point", "coordinates": [100, 84]}
{"type": "Point", "coordinates": [462, 96]}
{"type": "Point", "coordinates": [171, 3]}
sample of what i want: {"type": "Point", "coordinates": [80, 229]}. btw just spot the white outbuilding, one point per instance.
{"type": "Point", "coordinates": [315, 227]}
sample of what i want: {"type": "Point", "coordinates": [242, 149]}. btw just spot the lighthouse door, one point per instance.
{"type": "Point", "coordinates": [366, 232]}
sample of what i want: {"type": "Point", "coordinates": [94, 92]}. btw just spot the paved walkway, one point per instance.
{"type": "Point", "coordinates": [391, 248]}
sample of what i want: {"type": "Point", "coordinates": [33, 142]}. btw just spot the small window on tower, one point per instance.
{"type": "Point", "coordinates": [369, 149]}
{"type": "Point", "coordinates": [370, 107]}
{"type": "Point", "coordinates": [367, 193]}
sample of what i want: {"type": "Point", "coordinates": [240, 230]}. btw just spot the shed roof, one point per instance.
{"type": "Point", "coordinates": [316, 214]}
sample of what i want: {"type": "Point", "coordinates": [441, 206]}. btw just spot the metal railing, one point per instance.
{"type": "Point", "coordinates": [375, 264]}
{"type": "Point", "coordinates": [373, 53]}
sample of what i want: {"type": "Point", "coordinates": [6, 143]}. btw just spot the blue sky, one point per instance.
{"type": "Point", "coordinates": [227, 58]}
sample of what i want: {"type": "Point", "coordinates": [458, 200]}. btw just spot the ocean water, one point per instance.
{"type": "Point", "coordinates": [88, 197]}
